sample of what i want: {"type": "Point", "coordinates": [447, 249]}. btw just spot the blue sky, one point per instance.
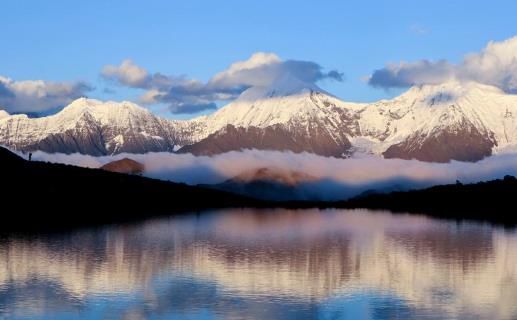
{"type": "Point", "coordinates": [73, 40]}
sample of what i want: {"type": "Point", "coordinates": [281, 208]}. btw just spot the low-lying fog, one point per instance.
{"type": "Point", "coordinates": [333, 178]}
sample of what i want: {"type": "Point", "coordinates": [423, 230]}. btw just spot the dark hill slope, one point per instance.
{"type": "Point", "coordinates": [494, 201]}
{"type": "Point", "coordinates": [38, 195]}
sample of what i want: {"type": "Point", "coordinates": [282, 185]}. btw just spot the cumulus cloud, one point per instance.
{"type": "Point", "coordinates": [406, 74]}
{"type": "Point", "coordinates": [263, 69]}
{"type": "Point", "coordinates": [495, 65]}
{"type": "Point", "coordinates": [131, 75]}
{"type": "Point", "coordinates": [189, 96]}
{"type": "Point", "coordinates": [336, 178]}
{"type": "Point", "coordinates": [35, 96]}
{"type": "Point", "coordinates": [127, 73]}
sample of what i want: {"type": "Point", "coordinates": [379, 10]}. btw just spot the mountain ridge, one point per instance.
{"type": "Point", "coordinates": [50, 196]}
{"type": "Point", "coordinates": [452, 121]}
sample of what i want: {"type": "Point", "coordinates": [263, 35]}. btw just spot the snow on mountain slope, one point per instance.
{"type": "Point", "coordinates": [289, 115]}
{"type": "Point", "coordinates": [462, 121]}
{"type": "Point", "coordinates": [3, 114]}
{"type": "Point", "coordinates": [430, 108]}
{"type": "Point", "coordinates": [280, 103]}
{"type": "Point", "coordinates": [91, 127]}
{"type": "Point", "coordinates": [463, 117]}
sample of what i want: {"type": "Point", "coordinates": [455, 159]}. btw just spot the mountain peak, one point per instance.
{"type": "Point", "coordinates": [285, 100]}
{"type": "Point", "coordinates": [455, 120]}
{"type": "Point", "coordinates": [111, 109]}
{"type": "Point", "coordinates": [88, 102]}
{"type": "Point", "coordinates": [282, 87]}
{"type": "Point", "coordinates": [80, 104]}
{"type": "Point", "coordinates": [453, 88]}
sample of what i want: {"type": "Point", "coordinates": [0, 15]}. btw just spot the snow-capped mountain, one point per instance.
{"type": "Point", "coordinates": [462, 121]}
{"type": "Point", "coordinates": [90, 127]}
{"type": "Point", "coordinates": [285, 116]}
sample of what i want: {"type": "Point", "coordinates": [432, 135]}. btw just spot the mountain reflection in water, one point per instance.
{"type": "Point", "coordinates": [265, 264]}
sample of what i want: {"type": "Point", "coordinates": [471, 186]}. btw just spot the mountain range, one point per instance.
{"type": "Point", "coordinates": [437, 123]}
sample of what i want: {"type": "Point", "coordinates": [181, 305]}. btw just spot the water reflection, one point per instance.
{"type": "Point", "coordinates": [279, 264]}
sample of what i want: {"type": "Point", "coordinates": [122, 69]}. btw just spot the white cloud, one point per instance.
{"type": "Point", "coordinates": [127, 73]}
{"type": "Point", "coordinates": [257, 60]}
{"type": "Point", "coordinates": [405, 74]}
{"type": "Point", "coordinates": [38, 95]}
{"type": "Point", "coordinates": [338, 178]}
{"type": "Point", "coordinates": [495, 65]}
{"type": "Point", "coordinates": [190, 95]}
{"type": "Point", "coordinates": [258, 70]}
{"type": "Point", "coordinates": [150, 96]}
{"type": "Point", "coordinates": [262, 69]}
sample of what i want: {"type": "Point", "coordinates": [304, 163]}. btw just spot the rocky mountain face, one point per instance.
{"type": "Point", "coordinates": [439, 123]}
{"type": "Point", "coordinates": [313, 139]}
{"type": "Point", "coordinates": [463, 142]}
{"type": "Point", "coordinates": [90, 127]}
{"type": "Point", "coordinates": [288, 116]}
{"type": "Point", "coordinates": [452, 121]}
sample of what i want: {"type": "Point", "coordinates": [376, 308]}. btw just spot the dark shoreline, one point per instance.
{"type": "Point", "coordinates": [491, 201]}
{"type": "Point", "coordinates": [40, 196]}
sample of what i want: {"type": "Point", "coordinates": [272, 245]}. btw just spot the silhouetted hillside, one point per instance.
{"type": "Point", "coordinates": [494, 201]}
{"type": "Point", "coordinates": [39, 195]}
{"type": "Point", "coordinates": [43, 196]}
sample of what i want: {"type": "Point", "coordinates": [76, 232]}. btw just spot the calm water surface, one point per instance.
{"type": "Point", "coordinates": [276, 264]}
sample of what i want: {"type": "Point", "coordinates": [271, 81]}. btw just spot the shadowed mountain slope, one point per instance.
{"type": "Point", "coordinates": [38, 195]}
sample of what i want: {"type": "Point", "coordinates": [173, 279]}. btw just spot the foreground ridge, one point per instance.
{"type": "Point", "coordinates": [46, 196]}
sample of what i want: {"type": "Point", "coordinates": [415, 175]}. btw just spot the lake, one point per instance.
{"type": "Point", "coordinates": [264, 264]}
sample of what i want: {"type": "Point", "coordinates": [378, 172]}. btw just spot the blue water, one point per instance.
{"type": "Point", "coordinates": [273, 264]}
